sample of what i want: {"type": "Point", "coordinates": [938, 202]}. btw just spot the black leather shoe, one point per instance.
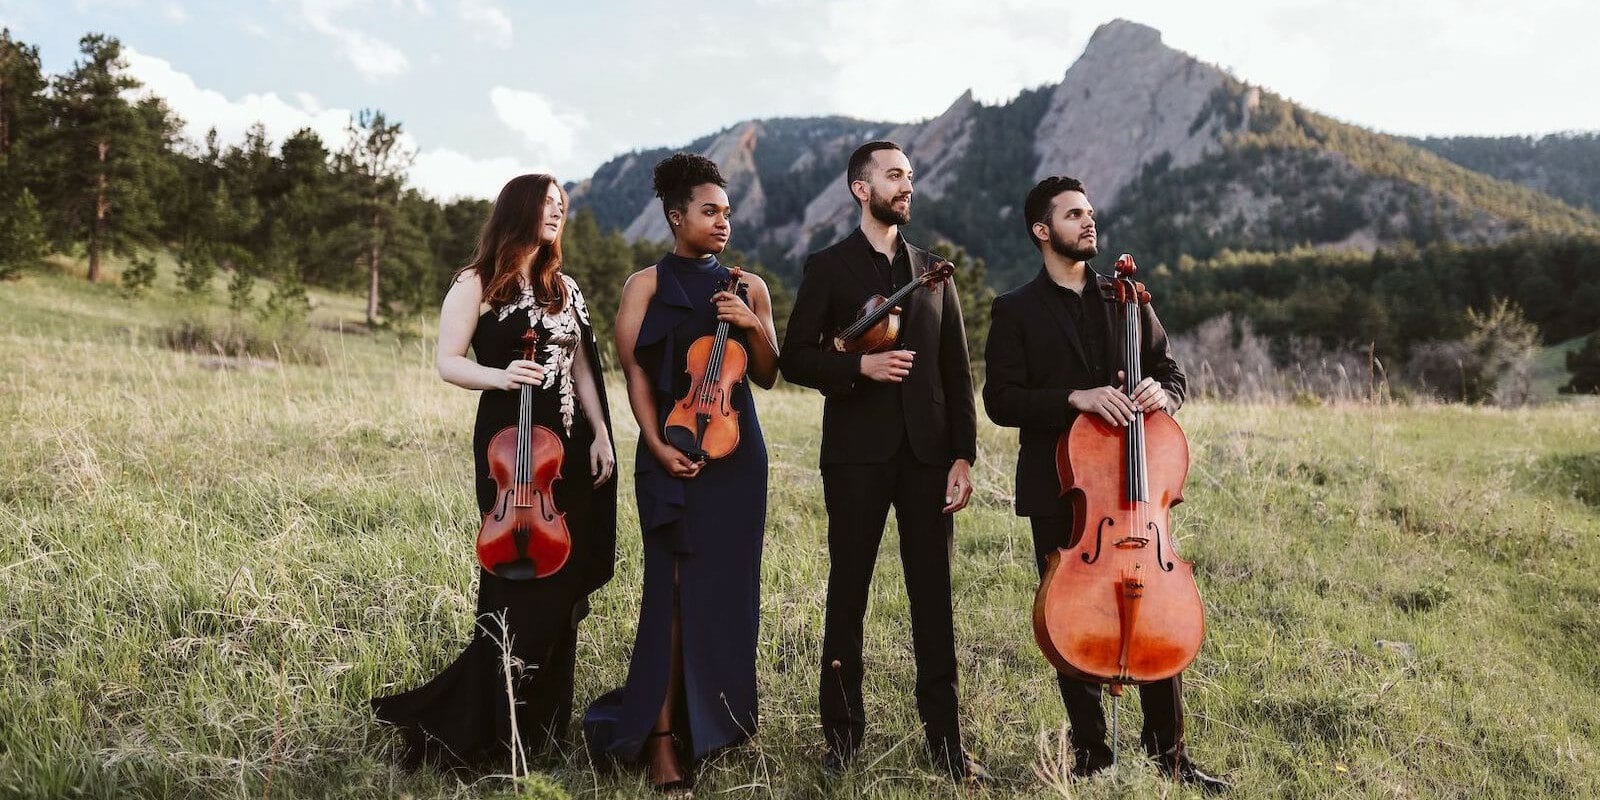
{"type": "Point", "coordinates": [970, 772]}
{"type": "Point", "coordinates": [1187, 772]}
{"type": "Point", "coordinates": [836, 762]}
{"type": "Point", "coordinates": [1087, 761]}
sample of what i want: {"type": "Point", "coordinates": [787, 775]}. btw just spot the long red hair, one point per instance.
{"type": "Point", "coordinates": [509, 235]}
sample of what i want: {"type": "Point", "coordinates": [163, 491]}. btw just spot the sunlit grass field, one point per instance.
{"type": "Point", "coordinates": [207, 567]}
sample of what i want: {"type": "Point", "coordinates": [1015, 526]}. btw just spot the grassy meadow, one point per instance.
{"type": "Point", "coordinates": [207, 566]}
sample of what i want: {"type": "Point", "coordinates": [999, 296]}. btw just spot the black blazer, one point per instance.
{"type": "Point", "coordinates": [863, 420]}
{"type": "Point", "coordinates": [1034, 359]}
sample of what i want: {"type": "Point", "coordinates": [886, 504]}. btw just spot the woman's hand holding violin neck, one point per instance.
{"type": "Point", "coordinates": [521, 372]}
{"type": "Point", "coordinates": [732, 310]}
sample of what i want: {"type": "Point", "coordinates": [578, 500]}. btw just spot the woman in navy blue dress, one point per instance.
{"type": "Point", "coordinates": [691, 684]}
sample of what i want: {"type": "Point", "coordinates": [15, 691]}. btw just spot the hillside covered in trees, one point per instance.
{"type": "Point", "coordinates": [1236, 201]}
{"type": "Point", "coordinates": [1563, 165]}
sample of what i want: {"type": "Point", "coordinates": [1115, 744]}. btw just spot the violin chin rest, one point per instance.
{"type": "Point", "coordinates": [521, 569]}
{"type": "Point", "coordinates": [683, 439]}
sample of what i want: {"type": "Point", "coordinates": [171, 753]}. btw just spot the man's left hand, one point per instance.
{"type": "Point", "coordinates": [1150, 396]}
{"type": "Point", "coordinates": [958, 487]}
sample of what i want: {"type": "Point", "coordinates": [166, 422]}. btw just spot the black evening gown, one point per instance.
{"type": "Point", "coordinates": [711, 528]}
{"type": "Point", "coordinates": [462, 719]}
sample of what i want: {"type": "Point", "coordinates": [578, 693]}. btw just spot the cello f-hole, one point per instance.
{"type": "Point", "coordinates": [1099, 534]}
{"type": "Point", "coordinates": [1161, 558]}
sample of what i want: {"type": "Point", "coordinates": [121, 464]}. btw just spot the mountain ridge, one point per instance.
{"type": "Point", "coordinates": [1180, 157]}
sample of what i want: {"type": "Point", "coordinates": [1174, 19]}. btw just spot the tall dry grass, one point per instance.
{"type": "Point", "coordinates": [206, 572]}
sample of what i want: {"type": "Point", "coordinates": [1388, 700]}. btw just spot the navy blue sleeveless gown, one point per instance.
{"type": "Point", "coordinates": [461, 719]}
{"type": "Point", "coordinates": [711, 528]}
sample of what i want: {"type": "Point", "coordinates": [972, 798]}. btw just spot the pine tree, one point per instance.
{"type": "Point", "coordinates": [140, 273]}
{"type": "Point", "coordinates": [375, 159]}
{"type": "Point", "coordinates": [112, 154]}
{"type": "Point", "coordinates": [412, 268]}
{"type": "Point", "coordinates": [972, 288]}
{"type": "Point", "coordinates": [23, 115]}
{"type": "Point", "coordinates": [600, 263]}
{"type": "Point", "coordinates": [1584, 365]}
{"type": "Point", "coordinates": [22, 236]}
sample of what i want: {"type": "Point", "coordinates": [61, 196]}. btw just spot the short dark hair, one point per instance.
{"type": "Point", "coordinates": [1042, 197]}
{"type": "Point", "coordinates": [678, 174]}
{"type": "Point", "coordinates": [857, 170]}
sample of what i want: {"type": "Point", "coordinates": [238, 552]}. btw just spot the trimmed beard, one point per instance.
{"type": "Point", "coordinates": [884, 211]}
{"type": "Point", "coordinates": [1065, 250]}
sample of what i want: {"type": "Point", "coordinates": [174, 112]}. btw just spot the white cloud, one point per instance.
{"type": "Point", "coordinates": [441, 173]}
{"type": "Point", "coordinates": [550, 135]}
{"type": "Point", "coordinates": [175, 13]}
{"type": "Point", "coordinates": [203, 109]}
{"type": "Point", "coordinates": [447, 174]}
{"type": "Point", "coordinates": [489, 23]}
{"type": "Point", "coordinates": [905, 59]}
{"type": "Point", "coordinates": [371, 56]}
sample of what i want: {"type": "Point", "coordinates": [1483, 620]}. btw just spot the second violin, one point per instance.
{"type": "Point", "coordinates": [877, 325]}
{"type": "Point", "coordinates": [703, 423]}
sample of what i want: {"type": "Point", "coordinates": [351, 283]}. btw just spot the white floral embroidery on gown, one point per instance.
{"type": "Point", "coordinates": [560, 348]}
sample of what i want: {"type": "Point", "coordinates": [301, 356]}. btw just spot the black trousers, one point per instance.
{"type": "Point", "coordinates": [858, 498]}
{"type": "Point", "coordinates": [1162, 736]}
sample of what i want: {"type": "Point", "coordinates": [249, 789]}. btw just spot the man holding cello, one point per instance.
{"type": "Point", "coordinates": [1052, 356]}
{"type": "Point", "coordinates": [898, 428]}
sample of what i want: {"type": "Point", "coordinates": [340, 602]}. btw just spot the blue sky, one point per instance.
{"type": "Point", "coordinates": [489, 88]}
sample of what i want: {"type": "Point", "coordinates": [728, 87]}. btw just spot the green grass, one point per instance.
{"type": "Point", "coordinates": [206, 572]}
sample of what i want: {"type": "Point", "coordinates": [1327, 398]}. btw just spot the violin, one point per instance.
{"type": "Point", "coordinates": [703, 423]}
{"type": "Point", "coordinates": [877, 325]}
{"type": "Point", "coordinates": [1118, 605]}
{"type": "Point", "coordinates": [524, 536]}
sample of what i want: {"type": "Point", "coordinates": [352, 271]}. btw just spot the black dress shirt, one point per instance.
{"type": "Point", "coordinates": [1087, 311]}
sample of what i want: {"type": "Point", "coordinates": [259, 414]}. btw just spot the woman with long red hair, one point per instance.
{"type": "Point", "coordinates": [465, 718]}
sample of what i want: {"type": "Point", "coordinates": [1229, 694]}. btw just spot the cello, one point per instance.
{"type": "Point", "coordinates": [703, 423]}
{"type": "Point", "coordinates": [1118, 606]}
{"type": "Point", "coordinates": [877, 325]}
{"type": "Point", "coordinates": [524, 536]}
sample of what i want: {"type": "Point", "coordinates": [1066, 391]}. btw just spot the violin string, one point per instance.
{"type": "Point", "coordinates": [860, 326]}
{"type": "Point", "coordinates": [714, 364]}
{"type": "Point", "coordinates": [718, 349]}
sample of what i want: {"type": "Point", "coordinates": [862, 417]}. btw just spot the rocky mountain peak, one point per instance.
{"type": "Point", "coordinates": [1126, 102]}
{"type": "Point", "coordinates": [1122, 35]}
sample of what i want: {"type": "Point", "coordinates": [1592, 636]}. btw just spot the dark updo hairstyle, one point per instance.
{"type": "Point", "coordinates": [1042, 199]}
{"type": "Point", "coordinates": [678, 174]}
